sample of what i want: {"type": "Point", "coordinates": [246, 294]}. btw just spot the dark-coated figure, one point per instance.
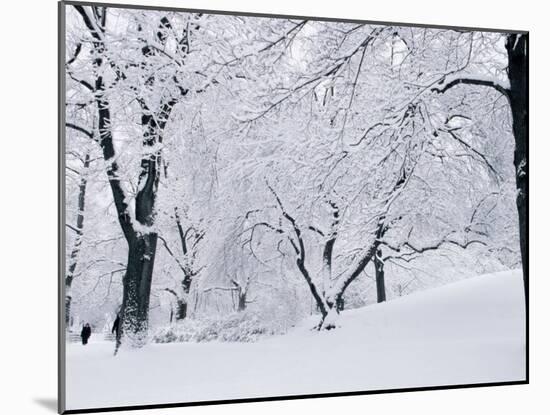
{"type": "Point", "coordinates": [85, 333]}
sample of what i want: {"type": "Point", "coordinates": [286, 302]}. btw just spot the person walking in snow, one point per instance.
{"type": "Point", "coordinates": [116, 330]}
{"type": "Point", "coordinates": [85, 333]}
{"type": "Point", "coordinates": [116, 325]}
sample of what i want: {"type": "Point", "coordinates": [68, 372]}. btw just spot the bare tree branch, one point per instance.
{"type": "Point", "coordinates": [472, 81]}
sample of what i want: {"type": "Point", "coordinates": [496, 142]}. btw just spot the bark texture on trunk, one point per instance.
{"type": "Point", "coordinates": [137, 289]}
{"type": "Point", "coordinates": [516, 47]}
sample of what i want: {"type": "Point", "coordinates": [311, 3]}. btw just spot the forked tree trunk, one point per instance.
{"type": "Point", "coordinates": [186, 269]}
{"type": "Point", "coordinates": [142, 245]}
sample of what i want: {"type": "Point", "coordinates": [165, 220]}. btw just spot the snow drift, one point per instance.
{"type": "Point", "coordinates": [468, 332]}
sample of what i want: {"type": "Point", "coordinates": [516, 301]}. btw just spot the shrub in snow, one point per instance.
{"type": "Point", "coordinates": [235, 327]}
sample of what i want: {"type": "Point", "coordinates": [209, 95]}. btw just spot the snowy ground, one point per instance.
{"type": "Point", "coordinates": [472, 331]}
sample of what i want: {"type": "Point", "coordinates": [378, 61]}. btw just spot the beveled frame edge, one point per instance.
{"type": "Point", "coordinates": [287, 16]}
{"type": "Point", "coordinates": [293, 397]}
{"type": "Point", "coordinates": [61, 215]}
{"type": "Point", "coordinates": [61, 332]}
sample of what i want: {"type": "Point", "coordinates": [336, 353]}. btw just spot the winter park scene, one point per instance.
{"type": "Point", "coordinates": [259, 207]}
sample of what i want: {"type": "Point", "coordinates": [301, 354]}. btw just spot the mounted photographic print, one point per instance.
{"type": "Point", "coordinates": [258, 207]}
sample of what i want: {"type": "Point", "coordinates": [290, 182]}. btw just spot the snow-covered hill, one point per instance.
{"type": "Point", "coordinates": [472, 331]}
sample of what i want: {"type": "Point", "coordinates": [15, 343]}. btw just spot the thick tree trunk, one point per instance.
{"type": "Point", "coordinates": [379, 276]}
{"type": "Point", "coordinates": [516, 46]}
{"type": "Point", "coordinates": [142, 243]}
{"type": "Point", "coordinates": [137, 289]}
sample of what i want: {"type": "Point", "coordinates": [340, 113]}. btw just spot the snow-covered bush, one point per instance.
{"type": "Point", "coordinates": [235, 327]}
